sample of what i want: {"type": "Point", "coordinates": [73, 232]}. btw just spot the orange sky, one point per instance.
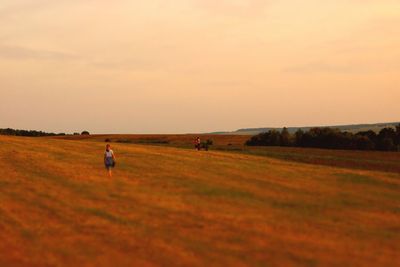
{"type": "Point", "coordinates": [173, 66]}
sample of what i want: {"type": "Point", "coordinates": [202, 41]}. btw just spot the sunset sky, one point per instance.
{"type": "Point", "coordinates": [177, 66]}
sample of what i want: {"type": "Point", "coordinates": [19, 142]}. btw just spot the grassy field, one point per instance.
{"type": "Point", "coordinates": [373, 160]}
{"type": "Point", "coordinates": [171, 206]}
{"type": "Point", "coordinates": [176, 140]}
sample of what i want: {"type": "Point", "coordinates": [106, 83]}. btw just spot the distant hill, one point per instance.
{"type": "Point", "coordinates": [350, 128]}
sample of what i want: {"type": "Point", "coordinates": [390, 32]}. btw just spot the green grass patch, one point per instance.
{"type": "Point", "coordinates": [107, 216]}
{"type": "Point", "coordinates": [28, 235]}
{"type": "Point", "coordinates": [206, 189]}
{"type": "Point", "coordinates": [360, 179]}
{"type": "Point", "coordinates": [299, 208]}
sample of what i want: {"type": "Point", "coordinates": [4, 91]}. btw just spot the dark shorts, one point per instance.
{"type": "Point", "coordinates": [109, 163]}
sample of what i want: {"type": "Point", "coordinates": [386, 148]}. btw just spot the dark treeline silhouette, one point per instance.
{"type": "Point", "coordinates": [388, 139]}
{"type": "Point", "coordinates": [30, 133]}
{"type": "Point", "coordinates": [33, 133]}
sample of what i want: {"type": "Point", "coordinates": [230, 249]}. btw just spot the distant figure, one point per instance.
{"type": "Point", "coordinates": [109, 159]}
{"type": "Point", "coordinates": [197, 143]}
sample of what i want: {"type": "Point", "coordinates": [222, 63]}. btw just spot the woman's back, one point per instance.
{"type": "Point", "coordinates": [109, 153]}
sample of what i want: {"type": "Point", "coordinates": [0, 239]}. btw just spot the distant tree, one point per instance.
{"type": "Point", "coordinates": [387, 139]}
{"type": "Point", "coordinates": [285, 137]}
{"type": "Point", "coordinates": [387, 133]}
{"type": "Point", "coordinates": [370, 134]}
{"type": "Point", "coordinates": [363, 142]}
{"type": "Point", "coordinates": [299, 137]}
{"type": "Point", "coordinates": [398, 137]}
{"type": "Point", "coordinates": [85, 133]}
{"type": "Point", "coordinates": [316, 137]}
{"type": "Point", "coordinates": [77, 134]}
{"type": "Point", "coordinates": [270, 138]}
{"type": "Point", "coordinates": [387, 144]}
{"type": "Point", "coordinates": [275, 138]}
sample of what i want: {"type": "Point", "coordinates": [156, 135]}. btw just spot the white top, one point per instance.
{"type": "Point", "coordinates": [109, 154]}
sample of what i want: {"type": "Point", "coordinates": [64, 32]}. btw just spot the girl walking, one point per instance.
{"type": "Point", "coordinates": [109, 159]}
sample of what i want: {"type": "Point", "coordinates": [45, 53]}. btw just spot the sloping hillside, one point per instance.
{"type": "Point", "coordinates": [354, 128]}
{"type": "Point", "coordinates": [174, 207]}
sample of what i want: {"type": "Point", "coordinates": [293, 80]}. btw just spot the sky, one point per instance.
{"type": "Point", "coordinates": [185, 66]}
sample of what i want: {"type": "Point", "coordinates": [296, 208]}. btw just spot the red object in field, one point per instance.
{"type": "Point", "coordinates": [197, 143]}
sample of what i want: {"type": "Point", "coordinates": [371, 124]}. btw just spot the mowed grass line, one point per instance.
{"type": "Point", "coordinates": [168, 206]}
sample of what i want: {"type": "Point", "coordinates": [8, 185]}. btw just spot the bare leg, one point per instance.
{"type": "Point", "coordinates": [110, 173]}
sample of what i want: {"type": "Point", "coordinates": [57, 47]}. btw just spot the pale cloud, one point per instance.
{"type": "Point", "coordinates": [17, 7]}
{"type": "Point", "coordinates": [321, 67]}
{"type": "Point", "coordinates": [361, 67]}
{"type": "Point", "coordinates": [126, 65]}
{"type": "Point", "coordinates": [12, 52]}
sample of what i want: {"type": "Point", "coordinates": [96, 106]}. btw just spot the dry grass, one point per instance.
{"type": "Point", "coordinates": [180, 140]}
{"type": "Point", "coordinates": [176, 207]}
{"type": "Point", "coordinates": [372, 160]}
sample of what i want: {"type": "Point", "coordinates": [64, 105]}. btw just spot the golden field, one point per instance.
{"type": "Point", "coordinates": [371, 160]}
{"type": "Point", "coordinates": [171, 206]}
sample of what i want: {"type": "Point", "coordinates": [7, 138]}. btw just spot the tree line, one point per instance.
{"type": "Point", "coordinates": [388, 139]}
{"type": "Point", "coordinates": [33, 133]}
